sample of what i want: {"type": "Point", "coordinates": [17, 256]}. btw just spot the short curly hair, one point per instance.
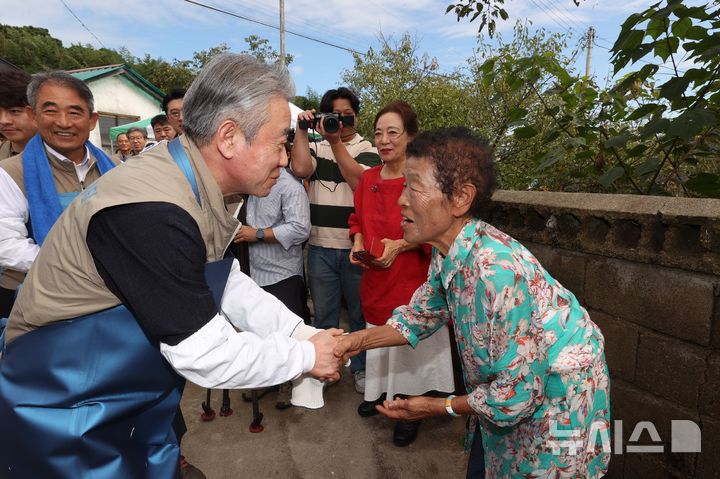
{"type": "Point", "coordinates": [458, 156]}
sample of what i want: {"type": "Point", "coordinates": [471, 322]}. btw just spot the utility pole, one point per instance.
{"type": "Point", "coordinates": [588, 59]}
{"type": "Point", "coordinates": [282, 32]}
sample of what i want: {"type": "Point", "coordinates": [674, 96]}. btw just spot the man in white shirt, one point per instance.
{"type": "Point", "coordinates": [131, 294]}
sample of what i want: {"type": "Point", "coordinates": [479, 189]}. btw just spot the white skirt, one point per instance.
{"type": "Point", "coordinates": [404, 370]}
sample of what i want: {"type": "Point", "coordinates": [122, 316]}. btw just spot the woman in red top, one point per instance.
{"type": "Point", "coordinates": [394, 269]}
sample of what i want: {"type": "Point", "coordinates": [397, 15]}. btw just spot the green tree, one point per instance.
{"type": "Point", "coordinates": [648, 133]}
{"type": "Point", "coordinates": [397, 71]}
{"type": "Point", "coordinates": [489, 96]}
{"type": "Point", "coordinates": [260, 48]}
{"type": "Point", "coordinates": [642, 135]}
{"type": "Point", "coordinates": [487, 10]}
{"type": "Point", "coordinates": [34, 49]}
{"type": "Point", "coordinates": [201, 58]}
{"type": "Point", "coordinates": [162, 74]}
{"type": "Point", "coordinates": [311, 100]}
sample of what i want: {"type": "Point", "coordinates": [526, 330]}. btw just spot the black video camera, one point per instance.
{"type": "Point", "coordinates": [330, 121]}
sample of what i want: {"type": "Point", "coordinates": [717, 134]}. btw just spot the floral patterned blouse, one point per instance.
{"type": "Point", "coordinates": [533, 360]}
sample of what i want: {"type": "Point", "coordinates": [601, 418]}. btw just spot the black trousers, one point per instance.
{"type": "Point", "coordinates": [476, 464]}
{"type": "Point", "coordinates": [293, 294]}
{"type": "Point", "coordinates": [7, 299]}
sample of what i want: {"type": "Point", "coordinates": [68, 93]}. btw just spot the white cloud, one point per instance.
{"type": "Point", "coordinates": [297, 69]}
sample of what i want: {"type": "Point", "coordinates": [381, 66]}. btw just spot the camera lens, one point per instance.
{"type": "Point", "coordinates": [331, 124]}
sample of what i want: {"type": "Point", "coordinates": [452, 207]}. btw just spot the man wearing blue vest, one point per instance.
{"type": "Point", "coordinates": [132, 293]}
{"type": "Point", "coordinates": [55, 166]}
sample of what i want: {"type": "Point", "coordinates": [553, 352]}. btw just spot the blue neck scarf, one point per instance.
{"type": "Point", "coordinates": [40, 190]}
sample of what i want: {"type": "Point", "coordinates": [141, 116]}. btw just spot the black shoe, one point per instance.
{"type": "Point", "coordinates": [284, 396]}
{"type": "Point", "coordinates": [405, 433]}
{"type": "Point", "coordinates": [367, 408]}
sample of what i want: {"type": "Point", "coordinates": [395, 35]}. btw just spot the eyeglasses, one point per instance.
{"type": "Point", "coordinates": [391, 134]}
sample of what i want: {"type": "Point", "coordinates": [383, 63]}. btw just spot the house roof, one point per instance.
{"type": "Point", "coordinates": [95, 73]}
{"type": "Point", "coordinates": [4, 64]}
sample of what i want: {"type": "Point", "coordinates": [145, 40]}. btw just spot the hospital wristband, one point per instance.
{"type": "Point", "coordinates": [448, 406]}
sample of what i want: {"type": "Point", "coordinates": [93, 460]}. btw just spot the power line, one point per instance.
{"type": "Point", "coordinates": [81, 23]}
{"type": "Point", "coordinates": [291, 22]}
{"type": "Point", "coordinates": [210, 7]}
{"type": "Point", "coordinates": [554, 18]}
{"type": "Point", "coordinates": [568, 21]}
{"type": "Point", "coordinates": [642, 60]}
{"type": "Point", "coordinates": [232, 14]}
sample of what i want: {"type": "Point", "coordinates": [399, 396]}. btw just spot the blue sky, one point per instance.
{"type": "Point", "coordinates": [175, 29]}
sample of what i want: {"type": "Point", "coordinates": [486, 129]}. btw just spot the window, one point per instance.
{"type": "Point", "coordinates": [108, 120]}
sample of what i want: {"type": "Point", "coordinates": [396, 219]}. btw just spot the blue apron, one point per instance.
{"type": "Point", "coordinates": [92, 397]}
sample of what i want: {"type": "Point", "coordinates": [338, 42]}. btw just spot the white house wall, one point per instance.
{"type": "Point", "coordinates": [118, 95]}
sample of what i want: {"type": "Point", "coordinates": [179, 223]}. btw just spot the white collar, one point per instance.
{"type": "Point", "coordinates": [64, 158]}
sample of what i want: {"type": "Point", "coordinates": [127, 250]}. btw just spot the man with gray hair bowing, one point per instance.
{"type": "Point", "coordinates": [130, 295]}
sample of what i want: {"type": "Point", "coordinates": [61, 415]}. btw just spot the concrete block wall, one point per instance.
{"type": "Point", "coordinates": [648, 271]}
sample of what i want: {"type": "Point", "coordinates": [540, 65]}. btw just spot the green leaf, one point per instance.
{"type": "Point", "coordinates": [550, 136]}
{"type": "Point", "coordinates": [649, 166]}
{"type": "Point", "coordinates": [710, 53]}
{"type": "Point", "coordinates": [654, 126]}
{"type": "Point", "coordinates": [690, 123]}
{"type": "Point", "coordinates": [696, 32]}
{"type": "Point", "coordinates": [630, 22]}
{"type": "Point", "coordinates": [549, 159]}
{"type": "Point", "coordinates": [503, 14]}
{"type": "Point", "coordinates": [583, 155]}
{"type": "Point", "coordinates": [706, 184]}
{"type": "Point", "coordinates": [525, 132]}
{"type": "Point", "coordinates": [656, 27]}
{"type": "Point", "coordinates": [643, 111]}
{"type": "Point", "coordinates": [611, 176]}
{"type": "Point", "coordinates": [517, 114]}
{"type": "Point", "coordinates": [697, 75]}
{"type": "Point", "coordinates": [633, 40]}
{"type": "Point", "coordinates": [574, 142]}
{"type": "Point", "coordinates": [696, 12]}
{"type": "Point", "coordinates": [488, 66]}
{"type": "Point", "coordinates": [636, 150]}
{"type": "Point", "coordinates": [647, 71]}
{"type": "Point", "coordinates": [674, 88]}
{"type": "Point", "coordinates": [664, 48]}
{"type": "Point", "coordinates": [617, 141]}
{"type": "Point", "coordinates": [680, 27]}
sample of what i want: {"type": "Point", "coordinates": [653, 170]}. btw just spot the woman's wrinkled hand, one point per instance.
{"type": "Point", "coordinates": [392, 249]}
{"type": "Point", "coordinates": [411, 409]}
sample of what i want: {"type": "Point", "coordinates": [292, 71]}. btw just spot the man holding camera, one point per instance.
{"type": "Point", "coordinates": [334, 167]}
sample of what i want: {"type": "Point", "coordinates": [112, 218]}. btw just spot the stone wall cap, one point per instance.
{"type": "Point", "coordinates": [612, 203]}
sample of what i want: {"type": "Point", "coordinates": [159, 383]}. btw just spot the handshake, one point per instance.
{"type": "Point", "coordinates": [333, 348]}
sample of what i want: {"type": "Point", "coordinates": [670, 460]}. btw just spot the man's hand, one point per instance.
{"type": "Point", "coordinates": [327, 365]}
{"type": "Point", "coordinates": [307, 115]}
{"type": "Point", "coordinates": [246, 234]}
{"type": "Point", "coordinates": [332, 138]}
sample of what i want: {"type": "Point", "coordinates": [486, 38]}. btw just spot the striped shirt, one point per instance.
{"type": "Point", "coordinates": [287, 212]}
{"type": "Point", "coordinates": [331, 198]}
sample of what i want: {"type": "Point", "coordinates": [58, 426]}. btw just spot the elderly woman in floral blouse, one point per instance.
{"type": "Point", "coordinates": [533, 361]}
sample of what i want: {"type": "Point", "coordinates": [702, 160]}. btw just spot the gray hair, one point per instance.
{"type": "Point", "coordinates": [62, 79]}
{"type": "Point", "coordinates": [234, 87]}
{"type": "Point", "coordinates": [142, 131]}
